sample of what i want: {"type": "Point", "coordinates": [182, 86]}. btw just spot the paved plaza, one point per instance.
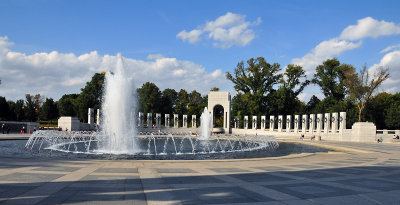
{"type": "Point", "coordinates": [356, 173]}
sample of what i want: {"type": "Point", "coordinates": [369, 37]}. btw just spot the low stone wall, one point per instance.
{"type": "Point", "coordinates": [15, 127]}
{"type": "Point", "coordinates": [360, 132]}
{"type": "Point", "coordinates": [73, 124]}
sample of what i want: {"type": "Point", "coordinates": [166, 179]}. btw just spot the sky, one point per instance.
{"type": "Point", "coordinates": [53, 47]}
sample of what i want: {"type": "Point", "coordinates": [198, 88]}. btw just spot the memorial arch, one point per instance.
{"type": "Point", "coordinates": [223, 98]}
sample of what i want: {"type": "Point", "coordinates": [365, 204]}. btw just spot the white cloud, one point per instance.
{"type": "Point", "coordinates": [390, 48]}
{"type": "Point", "coordinates": [192, 36]}
{"type": "Point", "coordinates": [392, 61]}
{"type": "Point", "coordinates": [324, 50]}
{"type": "Point", "coordinates": [54, 74]}
{"type": "Point", "coordinates": [351, 38]}
{"type": "Point", "coordinates": [369, 27]}
{"type": "Point", "coordinates": [154, 56]}
{"type": "Point", "coordinates": [226, 31]}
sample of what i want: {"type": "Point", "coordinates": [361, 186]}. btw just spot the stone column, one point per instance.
{"type": "Point", "coordinates": [150, 120]}
{"type": "Point", "coordinates": [342, 121]}
{"type": "Point", "coordinates": [334, 121]}
{"type": "Point", "coordinates": [184, 121]}
{"type": "Point", "coordinates": [176, 120]}
{"type": "Point", "coordinates": [263, 120]}
{"type": "Point", "coordinates": [91, 116]}
{"type": "Point", "coordinates": [327, 123]}
{"type": "Point", "coordinates": [194, 125]}
{"type": "Point", "coordinates": [158, 120]}
{"type": "Point", "coordinates": [140, 119]}
{"type": "Point", "coordinates": [254, 123]}
{"type": "Point", "coordinates": [319, 123]}
{"type": "Point", "coordinates": [304, 124]}
{"type": "Point", "coordinates": [271, 123]}
{"type": "Point", "coordinates": [98, 117]}
{"type": "Point", "coordinates": [237, 122]}
{"type": "Point", "coordinates": [246, 122]}
{"type": "Point", "coordinates": [288, 123]}
{"type": "Point", "coordinates": [167, 120]}
{"type": "Point", "coordinates": [296, 123]}
{"type": "Point", "coordinates": [312, 123]}
{"type": "Point", "coordinates": [280, 123]}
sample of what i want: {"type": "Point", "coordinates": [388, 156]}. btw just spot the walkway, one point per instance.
{"type": "Point", "coordinates": [364, 174]}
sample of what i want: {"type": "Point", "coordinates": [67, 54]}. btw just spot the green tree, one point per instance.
{"type": "Point", "coordinates": [375, 110]}
{"type": "Point", "coordinates": [149, 98]}
{"type": "Point", "coordinates": [196, 103]}
{"type": "Point", "coordinates": [4, 108]}
{"type": "Point", "coordinates": [255, 81]}
{"type": "Point", "coordinates": [67, 105]}
{"type": "Point", "coordinates": [392, 113]}
{"type": "Point", "coordinates": [182, 102]}
{"type": "Point", "coordinates": [11, 112]}
{"type": "Point", "coordinates": [285, 99]}
{"type": "Point", "coordinates": [49, 110]}
{"type": "Point", "coordinates": [330, 76]}
{"type": "Point", "coordinates": [214, 89]}
{"type": "Point", "coordinates": [31, 109]}
{"type": "Point", "coordinates": [168, 100]}
{"type": "Point", "coordinates": [19, 110]}
{"type": "Point", "coordinates": [361, 87]}
{"type": "Point", "coordinates": [312, 105]}
{"type": "Point", "coordinates": [240, 107]}
{"type": "Point", "coordinates": [90, 96]}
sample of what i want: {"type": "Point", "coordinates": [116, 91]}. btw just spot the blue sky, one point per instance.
{"type": "Point", "coordinates": [54, 47]}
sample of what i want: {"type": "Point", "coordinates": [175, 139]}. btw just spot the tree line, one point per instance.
{"type": "Point", "coordinates": [262, 89]}
{"type": "Point", "coordinates": [150, 100]}
{"type": "Point", "coordinates": [267, 89]}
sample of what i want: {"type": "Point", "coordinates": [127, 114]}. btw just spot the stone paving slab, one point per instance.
{"type": "Point", "coordinates": [371, 177]}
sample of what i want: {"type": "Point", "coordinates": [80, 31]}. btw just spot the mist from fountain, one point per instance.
{"type": "Point", "coordinates": [118, 122]}
{"type": "Point", "coordinates": [205, 125]}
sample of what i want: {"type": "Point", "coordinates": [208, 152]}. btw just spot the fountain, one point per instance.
{"type": "Point", "coordinates": [118, 136]}
{"type": "Point", "coordinates": [118, 122]}
{"type": "Point", "coordinates": [205, 125]}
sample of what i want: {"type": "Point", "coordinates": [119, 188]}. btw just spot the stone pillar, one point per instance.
{"type": "Point", "coordinates": [98, 117]}
{"type": "Point", "coordinates": [334, 121]}
{"type": "Point", "coordinates": [167, 120]}
{"type": "Point", "coordinates": [227, 119]}
{"type": "Point", "coordinates": [327, 123]}
{"type": "Point", "coordinates": [237, 122]}
{"type": "Point", "coordinates": [271, 123]}
{"type": "Point", "coordinates": [176, 120]}
{"type": "Point", "coordinates": [296, 123]}
{"type": "Point", "coordinates": [254, 123]}
{"type": "Point", "coordinates": [140, 119]}
{"type": "Point", "coordinates": [319, 123]}
{"type": "Point", "coordinates": [288, 123]}
{"type": "Point", "coordinates": [184, 121]}
{"type": "Point", "coordinates": [158, 120]}
{"type": "Point", "coordinates": [304, 124]}
{"type": "Point", "coordinates": [312, 123]}
{"type": "Point", "coordinates": [91, 116]}
{"type": "Point", "coordinates": [246, 122]}
{"type": "Point", "coordinates": [342, 121]}
{"type": "Point", "coordinates": [150, 120]}
{"type": "Point", "coordinates": [263, 121]}
{"type": "Point", "coordinates": [194, 125]}
{"type": "Point", "coordinates": [280, 123]}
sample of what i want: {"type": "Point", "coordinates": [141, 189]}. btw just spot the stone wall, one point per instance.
{"type": "Point", "coordinates": [15, 127]}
